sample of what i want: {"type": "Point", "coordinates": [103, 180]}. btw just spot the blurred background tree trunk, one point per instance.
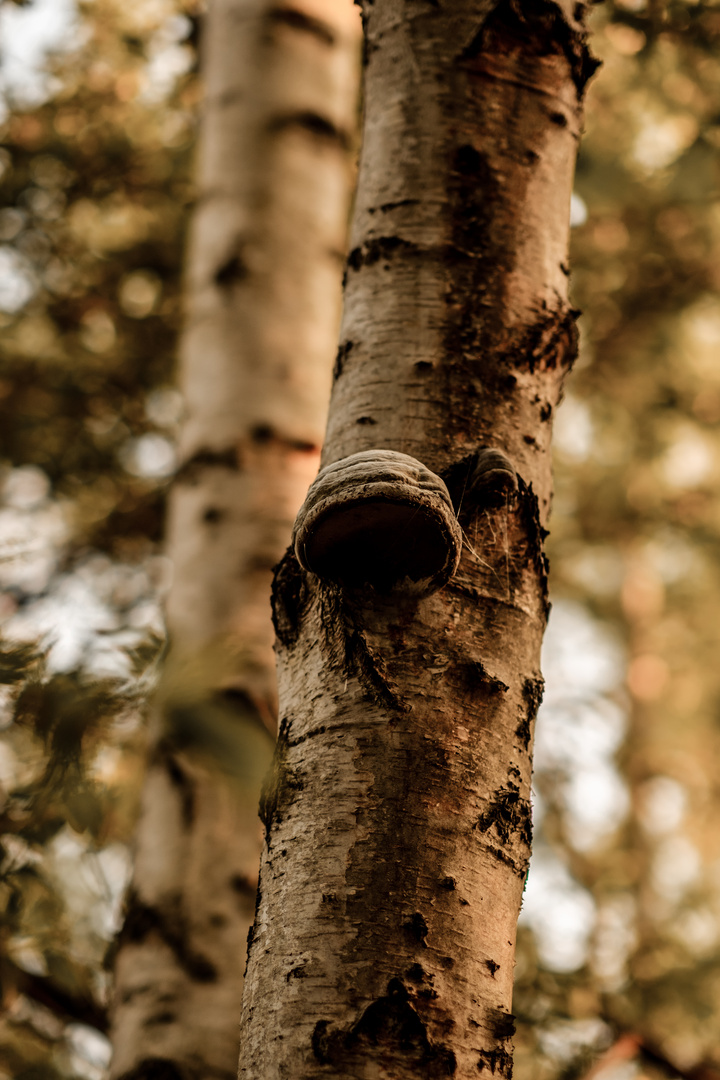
{"type": "Point", "coordinates": [262, 308]}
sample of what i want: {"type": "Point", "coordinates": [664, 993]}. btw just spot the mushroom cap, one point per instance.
{"type": "Point", "coordinates": [379, 518]}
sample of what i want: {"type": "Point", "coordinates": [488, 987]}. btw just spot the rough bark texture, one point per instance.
{"type": "Point", "coordinates": [263, 287]}
{"type": "Point", "coordinates": [397, 812]}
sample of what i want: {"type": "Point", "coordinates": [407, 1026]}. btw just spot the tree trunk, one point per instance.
{"type": "Point", "coordinates": [397, 816]}
{"type": "Point", "coordinates": [263, 288]}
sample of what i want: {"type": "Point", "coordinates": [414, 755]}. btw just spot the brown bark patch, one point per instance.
{"type": "Point", "coordinates": [348, 648]}
{"type": "Point", "coordinates": [502, 1023]}
{"type": "Point", "coordinates": [388, 1031]}
{"type": "Point", "coordinates": [535, 533]}
{"type": "Point", "coordinates": [538, 28]}
{"type": "Point", "coordinates": [508, 818]}
{"type": "Point", "coordinates": [385, 208]}
{"type": "Point", "coordinates": [480, 256]}
{"type": "Point", "coordinates": [416, 927]}
{"type": "Point", "coordinates": [498, 1062]}
{"type": "Point", "coordinates": [281, 783]}
{"type": "Point", "coordinates": [370, 669]}
{"type": "Point", "coordinates": [502, 551]}
{"type": "Point", "coordinates": [551, 342]}
{"type": "Point", "coordinates": [289, 598]}
{"type": "Point", "coordinates": [343, 352]}
{"type": "Point", "coordinates": [509, 815]}
{"type": "Point", "coordinates": [475, 680]}
{"type": "Point", "coordinates": [383, 248]}
{"type": "Point", "coordinates": [532, 694]}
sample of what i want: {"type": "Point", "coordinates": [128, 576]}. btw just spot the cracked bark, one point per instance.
{"type": "Point", "coordinates": [397, 810]}
{"type": "Point", "coordinates": [263, 305]}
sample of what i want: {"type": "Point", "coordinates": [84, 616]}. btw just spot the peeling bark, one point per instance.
{"type": "Point", "coordinates": [263, 300]}
{"type": "Point", "coordinates": [397, 814]}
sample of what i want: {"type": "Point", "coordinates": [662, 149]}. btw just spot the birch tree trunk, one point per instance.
{"type": "Point", "coordinates": [397, 813]}
{"type": "Point", "coordinates": [263, 305]}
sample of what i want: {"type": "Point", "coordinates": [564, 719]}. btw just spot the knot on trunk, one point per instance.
{"type": "Point", "coordinates": [379, 518]}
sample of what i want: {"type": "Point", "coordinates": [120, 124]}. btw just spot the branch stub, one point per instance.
{"type": "Point", "coordinates": [379, 518]}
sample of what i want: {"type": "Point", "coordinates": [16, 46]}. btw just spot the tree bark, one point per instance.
{"type": "Point", "coordinates": [263, 304]}
{"type": "Point", "coordinates": [397, 814]}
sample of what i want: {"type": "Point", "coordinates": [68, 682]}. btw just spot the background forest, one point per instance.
{"type": "Point", "coordinates": [618, 971]}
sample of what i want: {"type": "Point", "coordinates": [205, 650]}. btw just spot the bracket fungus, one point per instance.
{"type": "Point", "coordinates": [493, 480]}
{"type": "Point", "coordinates": [379, 518]}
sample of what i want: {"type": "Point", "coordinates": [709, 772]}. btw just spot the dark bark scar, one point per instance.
{"type": "Point", "coordinates": [389, 1030]}
{"type": "Point", "coordinates": [509, 814]}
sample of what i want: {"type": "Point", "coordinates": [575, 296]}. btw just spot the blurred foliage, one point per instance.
{"type": "Point", "coordinates": [94, 201]}
{"type": "Point", "coordinates": [95, 196]}
{"type": "Point", "coordinates": [636, 540]}
{"type": "Point", "coordinates": [69, 768]}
